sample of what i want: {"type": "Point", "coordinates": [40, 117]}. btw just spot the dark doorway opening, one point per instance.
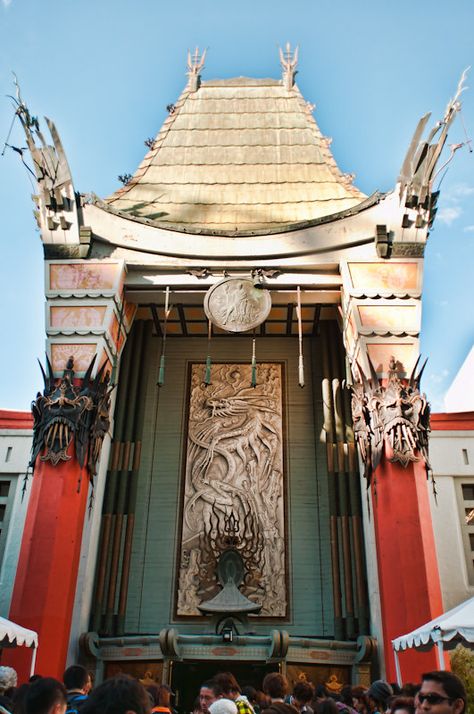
{"type": "Point", "coordinates": [187, 678]}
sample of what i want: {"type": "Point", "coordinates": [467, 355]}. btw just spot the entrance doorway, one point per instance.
{"type": "Point", "coordinates": [187, 678]}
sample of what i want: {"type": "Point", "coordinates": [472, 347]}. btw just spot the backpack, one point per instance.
{"type": "Point", "coordinates": [75, 703]}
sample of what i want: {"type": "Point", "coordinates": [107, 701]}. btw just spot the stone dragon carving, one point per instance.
{"type": "Point", "coordinates": [394, 415]}
{"type": "Point", "coordinates": [234, 491]}
{"type": "Point", "coordinates": [69, 410]}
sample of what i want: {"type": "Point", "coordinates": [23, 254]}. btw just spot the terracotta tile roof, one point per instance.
{"type": "Point", "coordinates": [238, 154]}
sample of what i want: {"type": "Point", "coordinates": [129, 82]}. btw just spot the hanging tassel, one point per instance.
{"type": "Point", "coordinates": [300, 340]}
{"type": "Point", "coordinates": [253, 382]}
{"type": "Point", "coordinates": [161, 372]}
{"type": "Point", "coordinates": [207, 374]}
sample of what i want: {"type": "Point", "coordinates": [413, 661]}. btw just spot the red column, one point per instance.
{"type": "Point", "coordinates": [45, 583]}
{"type": "Point", "coordinates": [410, 590]}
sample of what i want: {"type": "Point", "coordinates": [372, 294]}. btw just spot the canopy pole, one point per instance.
{"type": "Point", "coordinates": [397, 667]}
{"type": "Point", "coordinates": [33, 661]}
{"type": "Point", "coordinates": [440, 654]}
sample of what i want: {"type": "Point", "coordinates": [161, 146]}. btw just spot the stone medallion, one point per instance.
{"type": "Point", "coordinates": [236, 305]}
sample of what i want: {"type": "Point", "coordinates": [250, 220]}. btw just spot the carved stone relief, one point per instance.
{"type": "Point", "coordinates": [234, 475]}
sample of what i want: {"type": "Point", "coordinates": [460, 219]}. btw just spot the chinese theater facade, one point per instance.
{"type": "Point", "coordinates": [259, 317]}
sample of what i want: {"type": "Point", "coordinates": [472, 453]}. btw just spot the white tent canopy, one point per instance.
{"type": "Point", "coordinates": [446, 631]}
{"type": "Point", "coordinates": [13, 635]}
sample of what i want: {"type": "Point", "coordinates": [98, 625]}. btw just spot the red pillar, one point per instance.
{"type": "Point", "coordinates": [410, 590]}
{"type": "Point", "coordinates": [46, 578]}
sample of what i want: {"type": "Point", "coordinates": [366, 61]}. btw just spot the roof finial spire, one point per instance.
{"type": "Point", "coordinates": [289, 62]}
{"type": "Point", "coordinates": [195, 65]}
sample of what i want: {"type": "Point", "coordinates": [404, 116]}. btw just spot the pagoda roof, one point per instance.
{"type": "Point", "coordinates": [237, 154]}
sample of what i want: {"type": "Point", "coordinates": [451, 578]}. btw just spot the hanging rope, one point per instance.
{"type": "Point", "coordinates": [207, 374]}
{"type": "Point", "coordinates": [300, 339]}
{"type": "Point", "coordinates": [253, 382]}
{"type": "Point", "coordinates": [161, 372]}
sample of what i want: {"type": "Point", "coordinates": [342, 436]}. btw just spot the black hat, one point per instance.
{"type": "Point", "coordinates": [380, 690]}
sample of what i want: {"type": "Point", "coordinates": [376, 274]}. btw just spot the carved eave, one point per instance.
{"type": "Point", "coordinates": [362, 229]}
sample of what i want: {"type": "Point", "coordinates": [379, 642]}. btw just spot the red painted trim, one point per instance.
{"type": "Point", "coordinates": [15, 420]}
{"type": "Point", "coordinates": [455, 421]}
{"type": "Point", "coordinates": [410, 590]}
{"type": "Point", "coordinates": [46, 578]}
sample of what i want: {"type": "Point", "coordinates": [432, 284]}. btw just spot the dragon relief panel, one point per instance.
{"type": "Point", "coordinates": [234, 486]}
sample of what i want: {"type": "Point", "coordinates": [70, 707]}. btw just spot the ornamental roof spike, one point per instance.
{"type": "Point", "coordinates": [54, 196]}
{"type": "Point", "coordinates": [418, 172]}
{"type": "Point", "coordinates": [289, 62]}
{"type": "Point", "coordinates": [195, 65]}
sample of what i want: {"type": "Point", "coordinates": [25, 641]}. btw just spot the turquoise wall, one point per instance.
{"type": "Point", "coordinates": [151, 593]}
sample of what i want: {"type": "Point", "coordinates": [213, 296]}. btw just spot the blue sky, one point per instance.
{"type": "Point", "coordinates": [105, 70]}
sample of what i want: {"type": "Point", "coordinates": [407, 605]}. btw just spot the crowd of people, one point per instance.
{"type": "Point", "coordinates": [439, 692]}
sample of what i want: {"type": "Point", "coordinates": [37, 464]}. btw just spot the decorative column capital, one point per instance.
{"type": "Point", "coordinates": [71, 409]}
{"type": "Point", "coordinates": [391, 413]}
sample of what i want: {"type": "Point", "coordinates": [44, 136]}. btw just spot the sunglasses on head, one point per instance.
{"type": "Point", "coordinates": [432, 698]}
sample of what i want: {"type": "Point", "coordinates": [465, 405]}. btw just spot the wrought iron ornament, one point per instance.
{"type": "Point", "coordinates": [71, 410]}
{"type": "Point", "coordinates": [395, 415]}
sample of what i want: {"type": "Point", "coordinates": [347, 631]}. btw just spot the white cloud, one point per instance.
{"type": "Point", "coordinates": [458, 191]}
{"type": "Point", "coordinates": [468, 229]}
{"type": "Point", "coordinates": [463, 189]}
{"type": "Point", "coordinates": [6, 3]}
{"type": "Point", "coordinates": [448, 214]}
{"type": "Point", "coordinates": [438, 377]}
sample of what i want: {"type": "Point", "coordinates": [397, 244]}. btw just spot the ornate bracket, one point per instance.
{"type": "Point", "coordinates": [395, 415]}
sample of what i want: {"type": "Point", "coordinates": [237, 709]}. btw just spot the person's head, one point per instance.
{"type": "Point", "coordinates": [280, 708]}
{"type": "Point", "coordinates": [153, 691]}
{"type": "Point", "coordinates": [8, 679]}
{"type": "Point", "coordinates": [164, 695]}
{"type": "Point", "coordinates": [410, 689]}
{"type": "Point", "coordinates": [250, 693]}
{"type": "Point", "coordinates": [320, 693]}
{"type": "Point", "coordinates": [208, 693]}
{"type": "Point", "coordinates": [18, 699]}
{"type": "Point", "coordinates": [402, 705]}
{"type": "Point", "coordinates": [378, 694]}
{"type": "Point", "coordinates": [119, 695]}
{"type": "Point", "coordinates": [346, 695]}
{"type": "Point", "coordinates": [441, 693]}
{"type": "Point", "coordinates": [326, 706]}
{"type": "Point", "coordinates": [302, 694]}
{"type": "Point", "coordinates": [77, 677]}
{"type": "Point", "coordinates": [45, 696]}
{"type": "Point", "coordinates": [228, 685]}
{"type": "Point", "coordinates": [275, 685]}
{"type": "Point", "coordinates": [223, 706]}
{"type": "Point", "coordinates": [359, 699]}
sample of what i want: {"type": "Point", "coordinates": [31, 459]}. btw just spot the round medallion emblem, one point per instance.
{"type": "Point", "coordinates": [236, 305]}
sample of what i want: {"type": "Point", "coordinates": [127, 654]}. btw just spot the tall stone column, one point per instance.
{"type": "Point", "coordinates": [87, 324]}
